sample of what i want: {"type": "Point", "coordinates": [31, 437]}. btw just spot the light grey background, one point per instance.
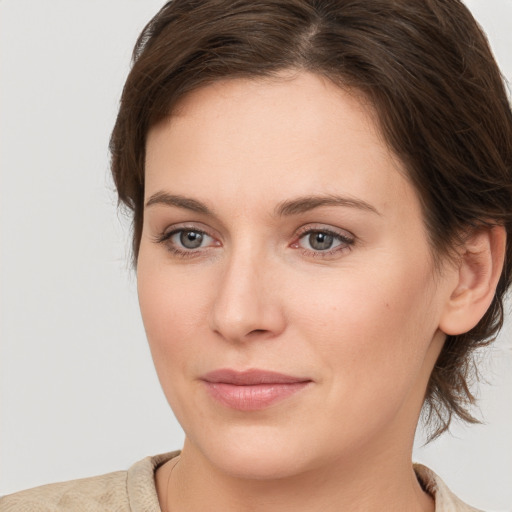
{"type": "Point", "coordinates": [79, 395]}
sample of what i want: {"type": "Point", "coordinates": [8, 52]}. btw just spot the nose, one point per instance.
{"type": "Point", "coordinates": [246, 304]}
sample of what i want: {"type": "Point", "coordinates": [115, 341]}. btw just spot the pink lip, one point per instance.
{"type": "Point", "coordinates": [251, 390]}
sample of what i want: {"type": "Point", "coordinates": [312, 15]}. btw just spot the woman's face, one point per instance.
{"type": "Point", "coordinates": [281, 237]}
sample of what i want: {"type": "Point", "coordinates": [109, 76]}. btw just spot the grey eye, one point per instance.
{"type": "Point", "coordinates": [319, 241]}
{"type": "Point", "coordinates": [189, 239]}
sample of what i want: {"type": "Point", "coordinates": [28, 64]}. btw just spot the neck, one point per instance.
{"type": "Point", "coordinates": [373, 481]}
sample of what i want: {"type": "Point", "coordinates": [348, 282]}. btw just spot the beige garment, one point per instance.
{"type": "Point", "coordinates": [134, 491]}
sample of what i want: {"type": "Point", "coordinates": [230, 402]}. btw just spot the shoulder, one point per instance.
{"type": "Point", "coordinates": [445, 500]}
{"type": "Point", "coordinates": [105, 492]}
{"type": "Point", "coordinates": [130, 491]}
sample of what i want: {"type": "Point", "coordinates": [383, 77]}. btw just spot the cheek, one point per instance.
{"type": "Point", "coordinates": [172, 307]}
{"type": "Point", "coordinates": [371, 342]}
{"type": "Point", "coordinates": [369, 326]}
{"type": "Point", "coordinates": [173, 311]}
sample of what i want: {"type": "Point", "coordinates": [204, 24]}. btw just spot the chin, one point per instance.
{"type": "Point", "coordinates": [255, 465]}
{"type": "Point", "coordinates": [256, 455]}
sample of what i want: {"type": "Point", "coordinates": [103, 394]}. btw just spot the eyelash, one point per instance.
{"type": "Point", "coordinates": [166, 236]}
{"type": "Point", "coordinates": [345, 242]}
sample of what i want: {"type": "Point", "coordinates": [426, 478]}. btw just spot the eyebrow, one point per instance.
{"type": "Point", "coordinates": [307, 203]}
{"type": "Point", "coordinates": [187, 203]}
{"type": "Point", "coordinates": [286, 208]}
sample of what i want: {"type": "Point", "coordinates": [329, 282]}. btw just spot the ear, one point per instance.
{"type": "Point", "coordinates": [478, 272]}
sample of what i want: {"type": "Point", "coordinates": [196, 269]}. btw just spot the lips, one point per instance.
{"type": "Point", "coordinates": [251, 390]}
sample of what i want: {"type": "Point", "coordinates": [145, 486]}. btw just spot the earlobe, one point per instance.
{"type": "Point", "coordinates": [479, 270]}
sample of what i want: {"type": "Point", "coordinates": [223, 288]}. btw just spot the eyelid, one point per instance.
{"type": "Point", "coordinates": [323, 228]}
{"type": "Point", "coordinates": [186, 226]}
{"type": "Point", "coordinates": [164, 238]}
{"type": "Point", "coordinates": [346, 239]}
{"type": "Point", "coordinates": [173, 233]}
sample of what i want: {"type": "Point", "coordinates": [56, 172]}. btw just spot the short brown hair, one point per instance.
{"type": "Point", "coordinates": [426, 67]}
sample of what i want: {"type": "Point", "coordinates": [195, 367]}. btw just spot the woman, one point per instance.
{"type": "Point", "coordinates": [321, 199]}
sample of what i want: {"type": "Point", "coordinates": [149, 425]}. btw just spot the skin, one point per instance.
{"type": "Point", "coordinates": [362, 322]}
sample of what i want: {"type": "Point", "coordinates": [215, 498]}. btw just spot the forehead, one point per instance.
{"type": "Point", "coordinates": [265, 139]}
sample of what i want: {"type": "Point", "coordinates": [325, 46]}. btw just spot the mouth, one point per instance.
{"type": "Point", "coordinates": [251, 390]}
